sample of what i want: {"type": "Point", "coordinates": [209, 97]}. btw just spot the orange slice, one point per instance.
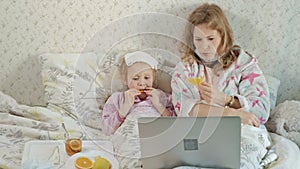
{"type": "Point", "coordinates": [194, 80]}
{"type": "Point", "coordinates": [83, 163]}
{"type": "Point", "coordinates": [75, 144]}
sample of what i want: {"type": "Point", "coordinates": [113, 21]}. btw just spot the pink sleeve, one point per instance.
{"type": "Point", "coordinates": [253, 89]}
{"type": "Point", "coordinates": [184, 95]}
{"type": "Point", "coordinates": [111, 119]}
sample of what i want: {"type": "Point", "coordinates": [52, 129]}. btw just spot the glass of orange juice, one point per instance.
{"type": "Point", "coordinates": [73, 142]}
{"type": "Point", "coordinates": [194, 80]}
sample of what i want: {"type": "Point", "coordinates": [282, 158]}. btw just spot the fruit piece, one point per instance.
{"type": "Point", "coordinates": [75, 145]}
{"type": "Point", "coordinates": [142, 96]}
{"type": "Point", "coordinates": [194, 80]}
{"type": "Point", "coordinates": [83, 163]}
{"type": "Point", "coordinates": [101, 163]}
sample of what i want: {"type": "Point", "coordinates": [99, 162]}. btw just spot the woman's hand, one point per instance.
{"type": "Point", "coordinates": [128, 102]}
{"type": "Point", "coordinates": [211, 94]}
{"type": "Point", "coordinates": [246, 117]}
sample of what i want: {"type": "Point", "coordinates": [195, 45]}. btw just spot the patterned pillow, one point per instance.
{"type": "Point", "coordinates": [69, 81]}
{"type": "Point", "coordinates": [273, 84]}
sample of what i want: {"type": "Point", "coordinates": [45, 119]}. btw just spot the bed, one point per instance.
{"type": "Point", "coordinates": [79, 108]}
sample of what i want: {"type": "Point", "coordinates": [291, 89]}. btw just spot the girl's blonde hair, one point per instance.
{"type": "Point", "coordinates": [214, 17]}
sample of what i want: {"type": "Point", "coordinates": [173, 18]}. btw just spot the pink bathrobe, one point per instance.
{"type": "Point", "coordinates": [243, 79]}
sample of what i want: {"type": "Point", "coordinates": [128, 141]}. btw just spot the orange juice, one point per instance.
{"type": "Point", "coordinates": [73, 145]}
{"type": "Point", "coordinates": [73, 142]}
{"type": "Point", "coordinates": [194, 80]}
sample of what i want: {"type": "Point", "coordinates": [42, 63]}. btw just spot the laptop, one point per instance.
{"type": "Point", "coordinates": [170, 142]}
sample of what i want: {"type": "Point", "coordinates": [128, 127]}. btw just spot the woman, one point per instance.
{"type": "Point", "coordinates": [232, 84]}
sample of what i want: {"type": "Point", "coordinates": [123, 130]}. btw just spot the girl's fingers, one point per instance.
{"type": "Point", "coordinates": [134, 91]}
{"type": "Point", "coordinates": [149, 92]}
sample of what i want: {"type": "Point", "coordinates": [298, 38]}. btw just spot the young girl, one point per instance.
{"type": "Point", "coordinates": [141, 99]}
{"type": "Point", "coordinates": [232, 82]}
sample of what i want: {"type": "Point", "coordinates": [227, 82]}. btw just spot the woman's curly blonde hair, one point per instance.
{"type": "Point", "coordinates": [214, 17]}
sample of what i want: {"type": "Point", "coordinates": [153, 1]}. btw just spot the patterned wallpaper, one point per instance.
{"type": "Point", "coordinates": [269, 30]}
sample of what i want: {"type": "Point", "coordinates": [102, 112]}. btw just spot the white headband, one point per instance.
{"type": "Point", "coordinates": [139, 56]}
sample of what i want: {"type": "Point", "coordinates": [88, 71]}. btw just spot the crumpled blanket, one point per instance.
{"type": "Point", "coordinates": [21, 123]}
{"type": "Point", "coordinates": [284, 120]}
{"type": "Point", "coordinates": [34, 122]}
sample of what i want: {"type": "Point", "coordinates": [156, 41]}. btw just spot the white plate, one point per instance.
{"type": "Point", "coordinates": [70, 164]}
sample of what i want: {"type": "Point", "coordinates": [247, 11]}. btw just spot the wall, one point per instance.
{"type": "Point", "coordinates": [269, 30]}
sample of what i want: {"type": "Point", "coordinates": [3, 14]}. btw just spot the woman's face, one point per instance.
{"type": "Point", "coordinates": [139, 76]}
{"type": "Point", "coordinates": [206, 41]}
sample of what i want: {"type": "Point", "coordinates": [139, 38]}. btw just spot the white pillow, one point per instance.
{"type": "Point", "coordinates": [70, 81]}
{"type": "Point", "coordinates": [58, 74]}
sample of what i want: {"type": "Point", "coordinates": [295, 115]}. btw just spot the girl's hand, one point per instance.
{"type": "Point", "coordinates": [128, 102]}
{"type": "Point", "coordinates": [154, 96]}
{"type": "Point", "coordinates": [211, 94]}
{"type": "Point", "coordinates": [130, 96]}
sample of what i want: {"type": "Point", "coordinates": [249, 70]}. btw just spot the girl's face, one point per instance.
{"type": "Point", "coordinates": [139, 76]}
{"type": "Point", "coordinates": [206, 41]}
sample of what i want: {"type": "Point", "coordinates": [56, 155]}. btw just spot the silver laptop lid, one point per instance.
{"type": "Point", "coordinates": [168, 142]}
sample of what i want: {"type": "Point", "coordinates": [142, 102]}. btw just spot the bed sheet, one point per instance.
{"type": "Point", "coordinates": [21, 123]}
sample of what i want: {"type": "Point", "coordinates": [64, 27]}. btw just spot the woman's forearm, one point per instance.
{"type": "Point", "coordinates": [204, 110]}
